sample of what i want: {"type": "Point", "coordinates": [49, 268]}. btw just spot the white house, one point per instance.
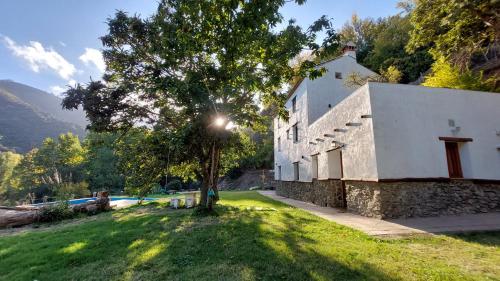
{"type": "Point", "coordinates": [388, 150]}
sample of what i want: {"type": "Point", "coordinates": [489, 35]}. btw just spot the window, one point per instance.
{"type": "Point", "coordinates": [288, 134]}
{"type": "Point", "coordinates": [279, 172]}
{"type": "Point", "coordinates": [279, 144]}
{"type": "Point", "coordinates": [338, 75]}
{"type": "Point", "coordinates": [279, 123]}
{"type": "Point", "coordinates": [453, 158]}
{"type": "Point", "coordinates": [296, 171]}
{"type": "Point", "coordinates": [295, 131]}
{"type": "Point", "coordinates": [314, 166]}
{"type": "Point", "coordinates": [294, 104]}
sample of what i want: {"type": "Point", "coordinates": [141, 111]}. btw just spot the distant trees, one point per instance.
{"type": "Point", "coordinates": [61, 167]}
{"type": "Point", "coordinates": [8, 161]}
{"type": "Point", "coordinates": [445, 40]}
{"type": "Point", "coordinates": [381, 45]}
{"type": "Point", "coordinates": [456, 30]}
{"type": "Point", "coordinates": [460, 34]}
{"type": "Point", "coordinates": [445, 75]}
{"type": "Point", "coordinates": [60, 161]}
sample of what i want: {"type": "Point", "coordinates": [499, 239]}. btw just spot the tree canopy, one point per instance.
{"type": "Point", "coordinates": [455, 29]}
{"type": "Point", "coordinates": [381, 45]}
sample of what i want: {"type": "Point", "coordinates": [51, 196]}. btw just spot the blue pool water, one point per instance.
{"type": "Point", "coordinates": [83, 200]}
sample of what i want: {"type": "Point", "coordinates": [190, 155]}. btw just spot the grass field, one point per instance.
{"type": "Point", "coordinates": [253, 238]}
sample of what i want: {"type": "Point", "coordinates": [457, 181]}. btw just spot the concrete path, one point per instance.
{"type": "Point", "coordinates": [397, 227]}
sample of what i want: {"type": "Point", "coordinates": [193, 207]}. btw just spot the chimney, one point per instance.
{"type": "Point", "coordinates": [349, 49]}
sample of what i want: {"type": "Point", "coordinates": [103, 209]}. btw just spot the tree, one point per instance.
{"type": "Point", "coordinates": [381, 44]}
{"type": "Point", "coordinates": [455, 29]}
{"type": "Point", "coordinates": [142, 159]}
{"type": "Point", "coordinates": [60, 161]}
{"type": "Point", "coordinates": [445, 75]}
{"type": "Point", "coordinates": [390, 75]}
{"type": "Point", "coordinates": [362, 32]}
{"type": "Point", "coordinates": [8, 162]}
{"type": "Point", "coordinates": [25, 176]}
{"type": "Point", "coordinates": [192, 70]}
{"type": "Point", "coordinates": [102, 163]}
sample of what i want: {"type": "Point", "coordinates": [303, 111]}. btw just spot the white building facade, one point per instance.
{"type": "Point", "coordinates": [389, 150]}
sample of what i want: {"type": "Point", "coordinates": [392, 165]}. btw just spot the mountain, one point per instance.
{"type": "Point", "coordinates": [29, 115]}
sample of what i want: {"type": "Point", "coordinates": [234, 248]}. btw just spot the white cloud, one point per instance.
{"type": "Point", "coordinates": [95, 57]}
{"type": "Point", "coordinates": [57, 90]}
{"type": "Point", "coordinates": [39, 57]}
{"type": "Point", "coordinates": [72, 82]}
{"type": "Point", "coordinates": [62, 43]}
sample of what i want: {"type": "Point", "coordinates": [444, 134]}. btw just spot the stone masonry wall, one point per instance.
{"type": "Point", "coordinates": [421, 199]}
{"type": "Point", "coordinates": [326, 193]}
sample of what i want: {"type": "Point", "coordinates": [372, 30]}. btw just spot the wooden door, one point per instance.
{"type": "Point", "coordinates": [453, 158]}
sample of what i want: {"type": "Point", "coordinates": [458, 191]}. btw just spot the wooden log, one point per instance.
{"type": "Point", "coordinates": [10, 218]}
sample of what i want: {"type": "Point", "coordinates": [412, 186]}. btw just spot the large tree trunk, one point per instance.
{"type": "Point", "coordinates": [210, 174]}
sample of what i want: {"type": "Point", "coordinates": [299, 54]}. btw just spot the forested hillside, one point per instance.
{"type": "Point", "coordinates": [29, 115]}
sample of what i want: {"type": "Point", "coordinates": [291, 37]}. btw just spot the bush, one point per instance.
{"type": "Point", "coordinates": [56, 212]}
{"type": "Point", "coordinates": [174, 185]}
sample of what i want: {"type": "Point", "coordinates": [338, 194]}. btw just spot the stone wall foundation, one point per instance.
{"type": "Point", "coordinates": [326, 193]}
{"type": "Point", "coordinates": [421, 199]}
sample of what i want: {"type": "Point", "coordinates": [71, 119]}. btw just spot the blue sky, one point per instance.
{"type": "Point", "coordinates": [52, 43]}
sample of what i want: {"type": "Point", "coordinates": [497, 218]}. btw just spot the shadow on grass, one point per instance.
{"type": "Point", "coordinates": [136, 244]}
{"type": "Point", "coordinates": [490, 238]}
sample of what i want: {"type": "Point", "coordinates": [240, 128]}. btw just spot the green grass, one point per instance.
{"type": "Point", "coordinates": [253, 238]}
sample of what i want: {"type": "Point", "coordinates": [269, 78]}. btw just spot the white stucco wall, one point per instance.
{"type": "Point", "coordinates": [358, 153]}
{"type": "Point", "coordinates": [408, 120]}
{"type": "Point", "coordinates": [290, 151]}
{"type": "Point", "coordinates": [327, 90]}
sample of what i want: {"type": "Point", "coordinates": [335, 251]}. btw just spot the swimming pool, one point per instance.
{"type": "Point", "coordinates": [83, 200]}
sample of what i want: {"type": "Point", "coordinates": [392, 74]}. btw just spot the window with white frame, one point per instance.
{"type": "Point", "coordinates": [294, 104]}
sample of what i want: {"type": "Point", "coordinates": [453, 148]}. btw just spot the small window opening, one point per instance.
{"type": "Point", "coordinates": [296, 171]}
{"type": "Point", "coordinates": [295, 130]}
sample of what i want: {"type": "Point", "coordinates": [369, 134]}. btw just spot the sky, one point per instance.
{"type": "Point", "coordinates": [50, 44]}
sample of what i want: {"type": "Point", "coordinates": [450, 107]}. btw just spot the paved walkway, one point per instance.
{"type": "Point", "coordinates": [397, 227]}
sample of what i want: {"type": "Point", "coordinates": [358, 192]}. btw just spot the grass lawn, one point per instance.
{"type": "Point", "coordinates": [253, 238]}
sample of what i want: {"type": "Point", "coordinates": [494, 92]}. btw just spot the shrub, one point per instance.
{"type": "Point", "coordinates": [174, 185]}
{"type": "Point", "coordinates": [56, 212]}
